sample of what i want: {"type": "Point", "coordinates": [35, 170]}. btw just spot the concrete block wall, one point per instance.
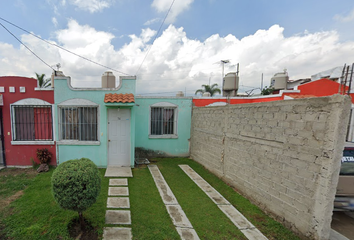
{"type": "Point", "coordinates": [283, 155]}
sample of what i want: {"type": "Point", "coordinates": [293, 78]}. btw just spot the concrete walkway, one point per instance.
{"type": "Point", "coordinates": [179, 218]}
{"type": "Point", "coordinates": [118, 204]}
{"type": "Point", "coordinates": [249, 230]}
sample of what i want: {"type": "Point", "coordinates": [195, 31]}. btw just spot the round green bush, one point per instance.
{"type": "Point", "coordinates": [76, 184]}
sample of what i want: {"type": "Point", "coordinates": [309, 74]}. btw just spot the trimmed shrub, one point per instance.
{"type": "Point", "coordinates": [76, 185]}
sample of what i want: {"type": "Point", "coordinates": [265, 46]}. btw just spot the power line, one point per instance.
{"type": "Point", "coordinates": [26, 46]}
{"type": "Point", "coordinates": [155, 37]}
{"type": "Point", "coordinates": [58, 47]}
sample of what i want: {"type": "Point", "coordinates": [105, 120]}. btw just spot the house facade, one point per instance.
{"type": "Point", "coordinates": [113, 127]}
{"type": "Point", "coordinates": [26, 124]}
{"type": "Point", "coordinates": [95, 123]}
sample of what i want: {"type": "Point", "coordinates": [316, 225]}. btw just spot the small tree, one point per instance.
{"type": "Point", "coordinates": [267, 90]}
{"type": "Point", "coordinates": [43, 83]}
{"type": "Point", "coordinates": [210, 89]}
{"type": "Point", "coordinates": [76, 185]}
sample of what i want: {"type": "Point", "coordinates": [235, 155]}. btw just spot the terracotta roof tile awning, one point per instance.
{"type": "Point", "coordinates": [119, 98]}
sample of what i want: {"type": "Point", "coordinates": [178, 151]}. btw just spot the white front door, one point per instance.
{"type": "Point", "coordinates": [119, 137]}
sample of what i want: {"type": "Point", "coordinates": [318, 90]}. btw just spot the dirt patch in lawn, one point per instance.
{"type": "Point", "coordinates": [30, 172]}
{"type": "Point", "coordinates": [74, 228]}
{"type": "Point", "coordinates": [5, 202]}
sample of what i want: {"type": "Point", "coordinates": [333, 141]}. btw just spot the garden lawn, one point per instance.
{"type": "Point", "coordinates": [209, 222]}
{"type": "Point", "coordinates": [36, 216]}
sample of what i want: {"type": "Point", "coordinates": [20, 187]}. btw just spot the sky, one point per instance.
{"type": "Point", "coordinates": [173, 46]}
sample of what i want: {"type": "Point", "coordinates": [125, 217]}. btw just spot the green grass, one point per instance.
{"type": "Point", "coordinates": [36, 215]}
{"type": "Point", "coordinates": [150, 219]}
{"type": "Point", "coordinates": [206, 218]}
{"type": "Point", "coordinates": [14, 180]}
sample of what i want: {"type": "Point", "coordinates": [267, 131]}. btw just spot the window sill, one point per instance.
{"type": "Point", "coordinates": [75, 142]}
{"type": "Point", "coordinates": [32, 143]}
{"type": "Point", "coordinates": [163, 136]}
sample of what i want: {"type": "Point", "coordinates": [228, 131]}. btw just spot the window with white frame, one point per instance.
{"type": "Point", "coordinates": [32, 123]}
{"type": "Point", "coordinates": [163, 119]}
{"type": "Point", "coordinates": [78, 123]}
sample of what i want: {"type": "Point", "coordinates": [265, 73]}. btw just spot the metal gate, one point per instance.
{"type": "Point", "coordinates": [2, 152]}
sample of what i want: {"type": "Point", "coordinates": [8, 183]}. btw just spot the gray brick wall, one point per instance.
{"type": "Point", "coordinates": [283, 155]}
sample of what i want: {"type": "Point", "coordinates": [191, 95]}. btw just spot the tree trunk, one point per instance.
{"type": "Point", "coordinates": [82, 221]}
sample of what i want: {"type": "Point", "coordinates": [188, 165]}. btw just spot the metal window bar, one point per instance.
{"type": "Point", "coordinates": [163, 121]}
{"type": "Point", "coordinates": [78, 123]}
{"type": "Point", "coordinates": [32, 123]}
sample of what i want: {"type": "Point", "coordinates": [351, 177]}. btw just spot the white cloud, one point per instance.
{"type": "Point", "coordinates": [176, 62]}
{"type": "Point", "coordinates": [90, 5]}
{"type": "Point", "coordinates": [178, 7]}
{"type": "Point", "coordinates": [152, 21]}
{"type": "Point", "coordinates": [55, 21]}
{"type": "Point", "coordinates": [348, 18]}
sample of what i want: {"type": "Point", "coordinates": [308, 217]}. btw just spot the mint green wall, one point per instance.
{"type": "Point", "coordinates": [174, 146]}
{"type": "Point", "coordinates": [97, 153]}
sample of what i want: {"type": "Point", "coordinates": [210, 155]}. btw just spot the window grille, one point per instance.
{"type": "Point", "coordinates": [163, 121]}
{"type": "Point", "coordinates": [32, 123]}
{"type": "Point", "coordinates": [78, 123]}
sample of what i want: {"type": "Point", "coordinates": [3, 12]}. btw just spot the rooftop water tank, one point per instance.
{"type": "Point", "coordinates": [179, 94]}
{"type": "Point", "coordinates": [108, 80]}
{"type": "Point", "coordinates": [280, 80]}
{"type": "Point", "coordinates": [231, 81]}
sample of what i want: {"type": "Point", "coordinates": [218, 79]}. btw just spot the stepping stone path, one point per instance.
{"type": "Point", "coordinates": [179, 218]}
{"type": "Point", "coordinates": [118, 205]}
{"type": "Point", "coordinates": [247, 228]}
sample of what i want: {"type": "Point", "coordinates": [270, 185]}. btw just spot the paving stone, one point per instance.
{"type": "Point", "coordinates": [250, 231]}
{"type": "Point", "coordinates": [236, 217]}
{"type": "Point", "coordinates": [118, 172]}
{"type": "Point", "coordinates": [118, 182]}
{"type": "Point", "coordinates": [217, 198]}
{"type": "Point", "coordinates": [189, 171]}
{"type": "Point", "coordinates": [118, 217]}
{"type": "Point", "coordinates": [206, 187]}
{"type": "Point", "coordinates": [187, 233]}
{"type": "Point", "coordinates": [118, 191]}
{"type": "Point", "coordinates": [178, 216]}
{"type": "Point", "coordinates": [166, 194]}
{"type": "Point", "coordinates": [117, 233]}
{"type": "Point", "coordinates": [118, 202]}
{"type": "Point", "coordinates": [214, 195]}
{"type": "Point", "coordinates": [253, 234]}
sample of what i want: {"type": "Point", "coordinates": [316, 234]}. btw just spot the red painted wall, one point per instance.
{"type": "Point", "coordinates": [20, 155]}
{"type": "Point", "coordinates": [321, 88]}
{"type": "Point", "coordinates": [200, 102]}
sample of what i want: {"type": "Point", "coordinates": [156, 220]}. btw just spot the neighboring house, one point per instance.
{"type": "Point", "coordinates": [318, 88]}
{"type": "Point", "coordinates": [108, 124]}
{"type": "Point", "coordinates": [26, 119]}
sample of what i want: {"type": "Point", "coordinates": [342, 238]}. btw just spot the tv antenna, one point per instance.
{"type": "Point", "coordinates": [57, 66]}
